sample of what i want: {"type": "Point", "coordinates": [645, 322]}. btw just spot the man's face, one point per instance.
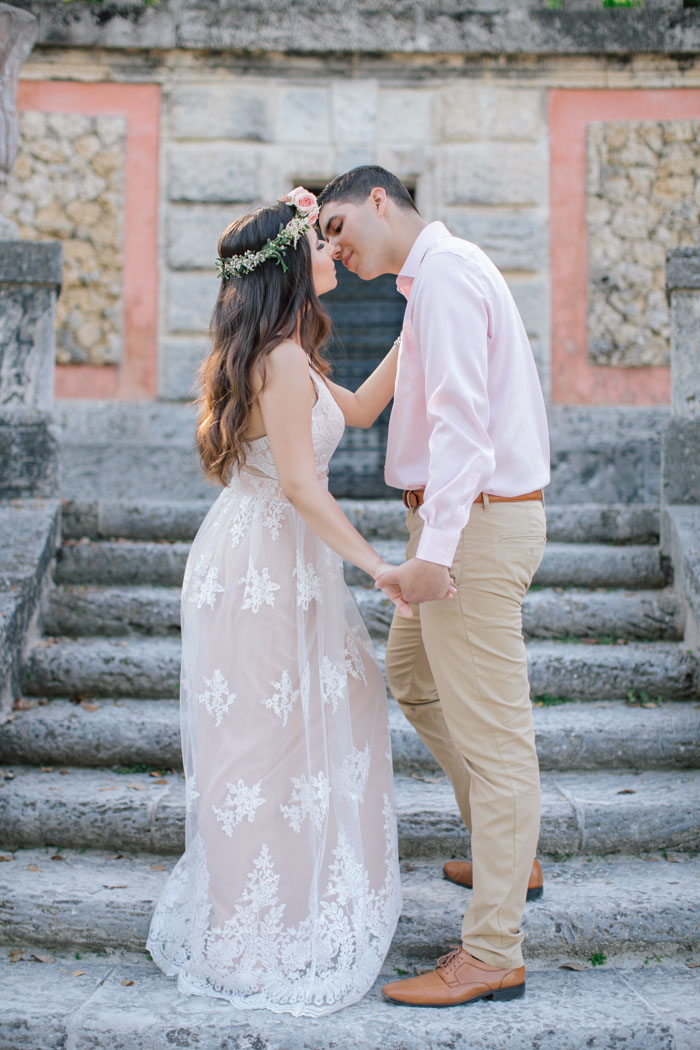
{"type": "Point", "coordinates": [354, 232]}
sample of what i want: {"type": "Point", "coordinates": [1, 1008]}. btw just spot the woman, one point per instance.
{"type": "Point", "coordinates": [288, 893]}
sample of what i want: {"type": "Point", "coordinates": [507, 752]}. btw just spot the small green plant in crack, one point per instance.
{"type": "Point", "coordinates": [623, 3]}
{"type": "Point", "coordinates": [640, 698]}
{"type": "Point", "coordinates": [598, 959]}
{"type": "Point", "coordinates": [545, 700]}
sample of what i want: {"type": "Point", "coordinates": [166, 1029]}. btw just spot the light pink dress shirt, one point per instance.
{"type": "Point", "coordinates": [468, 414]}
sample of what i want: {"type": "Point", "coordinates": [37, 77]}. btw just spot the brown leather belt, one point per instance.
{"type": "Point", "coordinates": [414, 497]}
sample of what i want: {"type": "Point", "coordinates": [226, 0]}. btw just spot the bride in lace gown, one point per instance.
{"type": "Point", "coordinates": [288, 893]}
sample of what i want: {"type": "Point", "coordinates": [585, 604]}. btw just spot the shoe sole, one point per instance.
{"type": "Point", "coordinates": [497, 995]}
{"type": "Point", "coordinates": [535, 893]}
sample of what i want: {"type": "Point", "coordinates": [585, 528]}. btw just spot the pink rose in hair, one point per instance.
{"type": "Point", "coordinates": [304, 202]}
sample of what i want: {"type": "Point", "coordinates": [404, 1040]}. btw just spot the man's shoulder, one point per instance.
{"type": "Point", "coordinates": [452, 257]}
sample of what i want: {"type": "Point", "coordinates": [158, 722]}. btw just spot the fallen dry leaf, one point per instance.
{"type": "Point", "coordinates": [571, 966]}
{"type": "Point", "coordinates": [672, 859]}
{"type": "Point", "coordinates": [58, 856]}
{"type": "Point", "coordinates": [16, 954]}
{"type": "Point", "coordinates": [42, 958]}
{"type": "Point", "coordinates": [46, 769]}
{"type": "Point", "coordinates": [127, 982]}
{"type": "Point", "coordinates": [78, 973]}
{"type": "Point", "coordinates": [23, 705]}
{"type": "Point", "coordinates": [3, 857]}
{"type": "Point", "coordinates": [136, 787]}
{"type": "Point", "coordinates": [88, 707]}
{"type": "Point", "coordinates": [650, 704]}
{"type": "Point", "coordinates": [692, 966]}
{"type": "Point", "coordinates": [157, 867]}
{"type": "Point", "coordinates": [161, 780]}
{"type": "Point", "coordinates": [156, 773]}
{"type": "Point", "coordinates": [627, 791]}
{"type": "Point", "coordinates": [63, 772]}
{"type": "Point", "coordinates": [33, 867]}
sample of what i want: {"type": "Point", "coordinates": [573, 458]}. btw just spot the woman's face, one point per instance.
{"type": "Point", "coordinates": [322, 264]}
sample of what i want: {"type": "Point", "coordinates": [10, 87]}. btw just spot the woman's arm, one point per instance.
{"type": "Point", "coordinates": [362, 408]}
{"type": "Point", "coordinates": [286, 401]}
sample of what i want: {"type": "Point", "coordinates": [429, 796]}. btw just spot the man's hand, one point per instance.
{"type": "Point", "coordinates": [392, 590]}
{"type": "Point", "coordinates": [418, 581]}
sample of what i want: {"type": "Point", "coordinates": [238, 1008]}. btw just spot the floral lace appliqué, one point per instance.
{"type": "Point", "coordinates": [333, 683]}
{"type": "Point", "coordinates": [309, 798]}
{"type": "Point", "coordinates": [308, 585]}
{"type": "Point", "coordinates": [352, 776]}
{"type": "Point", "coordinates": [217, 699]}
{"type": "Point", "coordinates": [284, 697]}
{"type": "Point", "coordinates": [353, 660]}
{"type": "Point", "coordinates": [259, 589]}
{"type": "Point", "coordinates": [205, 582]}
{"type": "Point", "coordinates": [241, 802]}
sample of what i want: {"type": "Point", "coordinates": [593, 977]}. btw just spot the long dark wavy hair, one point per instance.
{"type": "Point", "coordinates": [254, 313]}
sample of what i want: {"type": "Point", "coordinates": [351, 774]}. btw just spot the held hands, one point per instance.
{"type": "Point", "coordinates": [414, 581]}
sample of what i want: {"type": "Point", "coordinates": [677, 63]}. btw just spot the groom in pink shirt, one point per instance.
{"type": "Point", "coordinates": [469, 447]}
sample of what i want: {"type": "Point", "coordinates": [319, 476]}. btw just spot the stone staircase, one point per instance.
{"type": "Point", "coordinates": [92, 814]}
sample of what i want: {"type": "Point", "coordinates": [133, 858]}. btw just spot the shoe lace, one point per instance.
{"type": "Point", "coordinates": [445, 960]}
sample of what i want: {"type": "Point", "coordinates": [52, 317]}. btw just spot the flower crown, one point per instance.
{"type": "Point", "coordinates": [306, 215]}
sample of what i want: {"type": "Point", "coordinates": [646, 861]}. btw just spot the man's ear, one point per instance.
{"type": "Point", "coordinates": [379, 199]}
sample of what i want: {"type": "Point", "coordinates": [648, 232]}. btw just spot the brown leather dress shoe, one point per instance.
{"type": "Point", "coordinates": [457, 979]}
{"type": "Point", "coordinates": [461, 872]}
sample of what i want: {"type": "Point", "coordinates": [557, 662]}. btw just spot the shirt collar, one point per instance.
{"type": "Point", "coordinates": [425, 240]}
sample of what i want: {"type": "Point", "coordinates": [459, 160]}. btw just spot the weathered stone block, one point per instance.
{"type": "Point", "coordinates": [685, 353]}
{"type": "Point", "coordinates": [514, 239]}
{"type": "Point", "coordinates": [471, 110]}
{"type": "Point", "coordinates": [193, 231]}
{"type": "Point", "coordinates": [681, 461]}
{"type": "Point", "coordinates": [190, 301]}
{"type": "Point", "coordinates": [214, 173]}
{"type": "Point", "coordinates": [30, 276]}
{"type": "Point", "coordinates": [303, 115]}
{"type": "Point", "coordinates": [226, 110]}
{"type": "Point", "coordinates": [496, 173]}
{"type": "Point", "coordinates": [179, 364]}
{"type": "Point", "coordinates": [354, 108]}
{"type": "Point", "coordinates": [28, 454]}
{"type": "Point", "coordinates": [405, 117]}
{"type": "Point", "coordinates": [18, 31]}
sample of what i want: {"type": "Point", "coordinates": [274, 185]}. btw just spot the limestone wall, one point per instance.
{"type": "Point", "coordinates": [68, 185]}
{"type": "Point", "coordinates": [257, 96]}
{"type": "Point", "coordinates": [476, 156]}
{"type": "Point", "coordinates": [643, 198]}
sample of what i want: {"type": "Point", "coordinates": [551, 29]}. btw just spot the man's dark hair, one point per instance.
{"type": "Point", "coordinates": [356, 185]}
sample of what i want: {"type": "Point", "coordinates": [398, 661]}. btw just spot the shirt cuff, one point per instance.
{"type": "Point", "coordinates": [437, 546]}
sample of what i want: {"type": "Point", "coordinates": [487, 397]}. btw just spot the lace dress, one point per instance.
{"type": "Point", "coordinates": [288, 893]}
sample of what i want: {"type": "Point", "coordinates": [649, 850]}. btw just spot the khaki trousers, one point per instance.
{"type": "Point", "coordinates": [458, 669]}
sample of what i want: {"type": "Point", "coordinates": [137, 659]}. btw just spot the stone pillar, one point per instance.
{"type": "Point", "coordinates": [680, 462]}
{"type": "Point", "coordinates": [30, 279]}
{"type": "Point", "coordinates": [681, 445]}
{"type": "Point", "coordinates": [18, 30]}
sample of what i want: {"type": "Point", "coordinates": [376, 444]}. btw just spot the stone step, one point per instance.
{"type": "Point", "coordinates": [122, 562]}
{"type": "Point", "coordinates": [620, 811]}
{"type": "Point", "coordinates": [604, 735]}
{"type": "Point", "coordinates": [547, 613]}
{"type": "Point", "coordinates": [78, 610]}
{"type": "Point", "coordinates": [116, 667]}
{"type": "Point", "coordinates": [376, 519]}
{"type": "Point", "coordinates": [124, 1002]}
{"type": "Point", "coordinates": [99, 900]}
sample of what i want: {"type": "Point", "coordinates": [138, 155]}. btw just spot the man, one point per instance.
{"type": "Point", "coordinates": [468, 444]}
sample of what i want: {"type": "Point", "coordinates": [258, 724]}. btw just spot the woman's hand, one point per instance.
{"type": "Point", "coordinates": [392, 590]}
